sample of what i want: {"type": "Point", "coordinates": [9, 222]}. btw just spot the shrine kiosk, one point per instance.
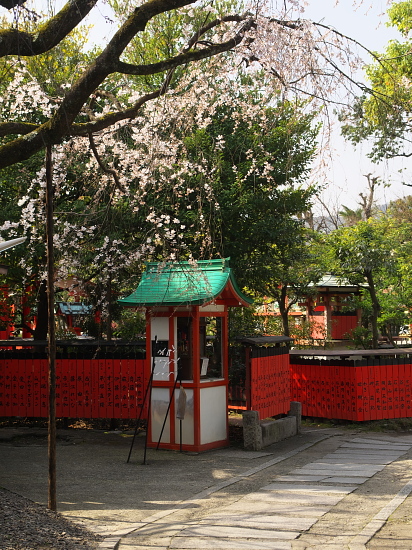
{"type": "Point", "coordinates": [328, 309]}
{"type": "Point", "coordinates": [187, 347]}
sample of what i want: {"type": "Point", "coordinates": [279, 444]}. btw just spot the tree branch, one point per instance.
{"type": "Point", "coordinates": [10, 4]}
{"type": "Point", "coordinates": [16, 42]}
{"type": "Point", "coordinates": [22, 128]}
{"type": "Point", "coordinates": [62, 122]}
{"type": "Point", "coordinates": [106, 170]}
{"type": "Point", "coordinates": [183, 58]}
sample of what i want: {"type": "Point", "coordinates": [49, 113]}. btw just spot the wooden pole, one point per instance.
{"type": "Point", "coordinates": [109, 331]}
{"type": "Point", "coordinates": [51, 348]}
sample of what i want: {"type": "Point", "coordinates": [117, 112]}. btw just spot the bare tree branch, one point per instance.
{"type": "Point", "coordinates": [190, 56]}
{"type": "Point", "coordinates": [106, 170]}
{"type": "Point", "coordinates": [10, 4]}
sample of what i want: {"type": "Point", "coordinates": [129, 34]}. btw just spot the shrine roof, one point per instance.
{"type": "Point", "coordinates": [330, 282]}
{"type": "Point", "coordinates": [187, 283]}
{"type": "Point", "coordinates": [74, 308]}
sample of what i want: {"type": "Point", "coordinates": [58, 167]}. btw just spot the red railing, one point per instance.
{"type": "Point", "coordinates": [342, 325]}
{"type": "Point", "coordinates": [270, 381]}
{"type": "Point", "coordinates": [104, 387]}
{"type": "Point", "coordinates": [359, 386]}
{"type": "Point", "coordinates": [370, 388]}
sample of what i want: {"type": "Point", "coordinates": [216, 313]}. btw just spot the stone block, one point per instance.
{"type": "Point", "coordinates": [296, 411]}
{"type": "Point", "coordinates": [252, 432]}
{"type": "Point", "coordinates": [277, 430]}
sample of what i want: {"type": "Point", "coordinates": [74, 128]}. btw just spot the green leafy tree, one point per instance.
{"type": "Point", "coordinates": [384, 115]}
{"type": "Point", "coordinates": [288, 270]}
{"type": "Point", "coordinates": [260, 162]}
{"type": "Point", "coordinates": [364, 254]}
{"type": "Point", "coordinates": [401, 210]}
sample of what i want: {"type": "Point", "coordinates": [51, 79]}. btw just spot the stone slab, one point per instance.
{"type": "Point", "coordinates": [300, 478]}
{"type": "Point", "coordinates": [326, 467]}
{"type": "Point", "coordinates": [352, 473]}
{"type": "Point", "coordinates": [150, 542]}
{"type": "Point", "coordinates": [282, 508]}
{"type": "Point", "coordinates": [278, 430]}
{"type": "Point", "coordinates": [361, 462]}
{"type": "Point", "coordinates": [369, 452]}
{"type": "Point", "coordinates": [307, 489]}
{"type": "Point", "coordinates": [159, 529]}
{"type": "Point", "coordinates": [348, 479]}
{"type": "Point", "coordinates": [385, 440]}
{"type": "Point", "coordinates": [109, 543]}
{"type": "Point", "coordinates": [342, 458]}
{"type": "Point", "coordinates": [269, 497]}
{"type": "Point", "coordinates": [224, 531]}
{"type": "Point", "coordinates": [105, 531]}
{"type": "Point", "coordinates": [260, 520]}
{"type": "Point", "coordinates": [337, 472]}
{"type": "Point", "coordinates": [376, 447]}
{"type": "Point", "coordinates": [188, 543]}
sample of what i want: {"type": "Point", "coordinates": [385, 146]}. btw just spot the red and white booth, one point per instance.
{"type": "Point", "coordinates": [187, 351]}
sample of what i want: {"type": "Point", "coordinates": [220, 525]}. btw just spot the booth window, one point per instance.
{"type": "Point", "coordinates": [184, 347]}
{"type": "Point", "coordinates": [211, 347]}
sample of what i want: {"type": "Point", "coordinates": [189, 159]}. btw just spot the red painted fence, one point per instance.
{"type": "Point", "coordinates": [266, 387]}
{"type": "Point", "coordinates": [342, 325]}
{"type": "Point", "coordinates": [270, 381]}
{"type": "Point", "coordinates": [105, 387]}
{"type": "Point", "coordinates": [372, 388]}
{"type": "Point", "coordinates": [110, 383]}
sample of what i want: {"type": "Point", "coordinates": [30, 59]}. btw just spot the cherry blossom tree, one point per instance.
{"type": "Point", "coordinates": [300, 57]}
{"type": "Point", "coordinates": [118, 123]}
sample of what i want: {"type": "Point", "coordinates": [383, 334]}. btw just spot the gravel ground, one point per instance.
{"type": "Point", "coordinates": [25, 525]}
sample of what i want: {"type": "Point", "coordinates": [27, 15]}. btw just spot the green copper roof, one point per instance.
{"type": "Point", "coordinates": [186, 283]}
{"type": "Point", "coordinates": [74, 308]}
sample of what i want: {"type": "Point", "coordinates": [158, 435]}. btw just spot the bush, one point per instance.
{"type": "Point", "coordinates": [361, 337]}
{"type": "Point", "coordinates": [131, 325]}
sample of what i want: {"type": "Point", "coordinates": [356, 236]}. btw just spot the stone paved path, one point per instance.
{"type": "Point", "coordinates": [283, 514]}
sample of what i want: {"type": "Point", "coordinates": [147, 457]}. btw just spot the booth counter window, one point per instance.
{"type": "Point", "coordinates": [211, 364]}
{"type": "Point", "coordinates": [210, 347]}
{"type": "Point", "coordinates": [185, 347]}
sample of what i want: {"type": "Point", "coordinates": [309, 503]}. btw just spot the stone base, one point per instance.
{"type": "Point", "coordinates": [257, 435]}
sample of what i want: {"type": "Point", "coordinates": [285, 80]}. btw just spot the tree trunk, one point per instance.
{"type": "Point", "coordinates": [40, 332]}
{"type": "Point", "coordinates": [376, 309]}
{"type": "Point", "coordinates": [109, 331]}
{"type": "Point", "coordinates": [284, 310]}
